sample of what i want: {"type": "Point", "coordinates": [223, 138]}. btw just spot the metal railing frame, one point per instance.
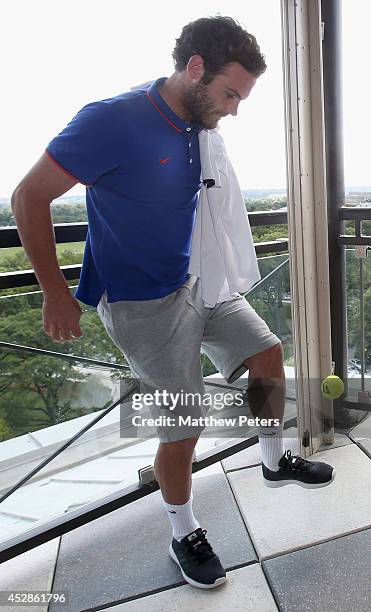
{"type": "Point", "coordinates": [76, 232]}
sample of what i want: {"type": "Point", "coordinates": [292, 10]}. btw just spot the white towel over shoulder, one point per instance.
{"type": "Point", "coordinates": [222, 252]}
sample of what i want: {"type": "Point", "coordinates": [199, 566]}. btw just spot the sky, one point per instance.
{"type": "Point", "coordinates": [62, 55]}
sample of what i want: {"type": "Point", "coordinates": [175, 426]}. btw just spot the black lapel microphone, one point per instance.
{"type": "Point", "coordinates": [209, 183]}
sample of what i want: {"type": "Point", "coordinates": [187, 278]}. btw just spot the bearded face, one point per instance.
{"type": "Point", "coordinates": [201, 107]}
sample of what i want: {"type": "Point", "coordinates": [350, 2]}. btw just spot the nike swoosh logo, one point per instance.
{"type": "Point", "coordinates": [163, 161]}
{"type": "Point", "coordinates": [172, 511]}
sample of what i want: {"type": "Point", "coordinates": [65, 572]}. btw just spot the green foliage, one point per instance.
{"type": "Point", "coordinates": [6, 431]}
{"type": "Point", "coordinates": [34, 383]}
{"type": "Point", "coordinates": [271, 299]}
{"type": "Point", "coordinates": [265, 204]}
{"type": "Point", "coordinates": [69, 213]}
{"type": "Point", "coordinates": [269, 233]}
{"type": "Point", "coordinates": [61, 213]}
{"type": "Point", "coordinates": [16, 261]}
{"type": "Point", "coordinates": [32, 386]}
{"type": "Point", "coordinates": [6, 217]}
{"type": "Point", "coordinates": [354, 304]}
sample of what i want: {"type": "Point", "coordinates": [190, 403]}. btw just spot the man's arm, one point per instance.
{"type": "Point", "coordinates": [31, 202]}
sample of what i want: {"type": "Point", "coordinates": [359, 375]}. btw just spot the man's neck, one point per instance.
{"type": "Point", "coordinates": [171, 92]}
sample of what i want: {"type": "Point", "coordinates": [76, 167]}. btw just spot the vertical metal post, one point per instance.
{"type": "Point", "coordinates": [333, 107]}
{"type": "Point", "coordinates": [307, 217]}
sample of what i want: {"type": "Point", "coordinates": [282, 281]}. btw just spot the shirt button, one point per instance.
{"type": "Point", "coordinates": [190, 161]}
{"type": "Point", "coordinates": [189, 144]}
{"type": "Point", "coordinates": [188, 129]}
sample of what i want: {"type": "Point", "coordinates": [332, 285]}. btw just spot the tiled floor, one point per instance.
{"type": "Point", "coordinates": [288, 549]}
{"type": "Point", "coordinates": [34, 570]}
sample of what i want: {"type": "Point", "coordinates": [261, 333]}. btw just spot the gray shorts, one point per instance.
{"type": "Point", "coordinates": [162, 340]}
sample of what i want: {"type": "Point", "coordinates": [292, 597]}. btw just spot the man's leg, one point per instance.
{"type": "Point", "coordinates": [173, 470]}
{"type": "Point", "coordinates": [266, 393]}
{"type": "Point", "coordinates": [190, 549]}
{"type": "Point", "coordinates": [161, 340]}
{"type": "Point", "coordinates": [267, 383]}
{"type": "Point", "coordinates": [233, 331]}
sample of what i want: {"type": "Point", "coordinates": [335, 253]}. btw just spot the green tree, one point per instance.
{"type": "Point", "coordinates": [32, 386]}
{"type": "Point", "coordinates": [6, 432]}
{"type": "Point", "coordinates": [69, 213]}
{"type": "Point", "coordinates": [6, 217]}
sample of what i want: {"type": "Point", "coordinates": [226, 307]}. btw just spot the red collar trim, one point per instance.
{"type": "Point", "coordinates": [163, 114]}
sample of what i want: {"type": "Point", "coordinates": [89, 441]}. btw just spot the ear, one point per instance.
{"type": "Point", "coordinates": [195, 68]}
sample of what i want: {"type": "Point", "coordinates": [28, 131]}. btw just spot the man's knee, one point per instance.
{"type": "Point", "coordinates": [267, 364]}
{"type": "Point", "coordinates": [179, 447]}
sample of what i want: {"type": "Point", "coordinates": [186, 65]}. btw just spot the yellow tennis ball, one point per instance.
{"type": "Point", "coordinates": [332, 387]}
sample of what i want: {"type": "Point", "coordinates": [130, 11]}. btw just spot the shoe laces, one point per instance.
{"type": "Point", "coordinates": [295, 462]}
{"type": "Point", "coordinates": [198, 547]}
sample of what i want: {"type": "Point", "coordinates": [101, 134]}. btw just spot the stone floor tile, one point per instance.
{"type": "Point", "coordinates": [291, 517]}
{"type": "Point", "coordinates": [245, 591]}
{"type": "Point", "coordinates": [333, 576]}
{"type": "Point", "coordinates": [30, 571]}
{"type": "Point", "coordinates": [365, 445]}
{"type": "Point", "coordinates": [363, 429]}
{"type": "Point", "coordinates": [125, 553]}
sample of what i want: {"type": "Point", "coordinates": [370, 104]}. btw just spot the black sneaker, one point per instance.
{"type": "Point", "coordinates": [199, 565]}
{"type": "Point", "coordinates": [296, 470]}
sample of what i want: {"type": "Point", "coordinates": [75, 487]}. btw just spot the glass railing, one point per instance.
{"type": "Point", "coordinates": [21, 323]}
{"type": "Point", "coordinates": [358, 304]}
{"type": "Point", "coordinates": [271, 298]}
{"type": "Point", "coordinates": [67, 439]}
{"type": "Point", "coordinates": [64, 438]}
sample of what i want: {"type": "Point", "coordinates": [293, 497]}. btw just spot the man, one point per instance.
{"type": "Point", "coordinates": [138, 155]}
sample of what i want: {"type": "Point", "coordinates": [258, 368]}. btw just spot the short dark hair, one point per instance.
{"type": "Point", "coordinates": [219, 40]}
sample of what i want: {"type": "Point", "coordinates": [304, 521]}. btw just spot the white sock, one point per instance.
{"type": "Point", "coordinates": [181, 518]}
{"type": "Point", "coordinates": [271, 445]}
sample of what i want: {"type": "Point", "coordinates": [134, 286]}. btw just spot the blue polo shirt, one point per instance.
{"type": "Point", "coordinates": [141, 166]}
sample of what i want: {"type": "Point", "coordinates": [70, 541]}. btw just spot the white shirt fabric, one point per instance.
{"type": "Point", "coordinates": [222, 251]}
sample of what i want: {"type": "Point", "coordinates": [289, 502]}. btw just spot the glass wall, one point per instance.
{"type": "Point", "coordinates": [358, 304]}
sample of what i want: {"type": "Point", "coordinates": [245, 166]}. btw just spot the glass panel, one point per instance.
{"type": "Point", "coordinates": [44, 402]}
{"type": "Point", "coordinates": [271, 298]}
{"type": "Point", "coordinates": [21, 323]}
{"type": "Point", "coordinates": [358, 287]}
{"type": "Point", "coordinates": [357, 132]}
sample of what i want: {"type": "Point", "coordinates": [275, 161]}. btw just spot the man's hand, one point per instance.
{"type": "Point", "coordinates": [61, 316]}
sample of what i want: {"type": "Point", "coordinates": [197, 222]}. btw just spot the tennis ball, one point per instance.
{"type": "Point", "coordinates": [332, 387]}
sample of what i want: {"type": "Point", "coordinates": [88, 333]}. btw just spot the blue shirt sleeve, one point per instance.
{"type": "Point", "coordinates": [86, 147]}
